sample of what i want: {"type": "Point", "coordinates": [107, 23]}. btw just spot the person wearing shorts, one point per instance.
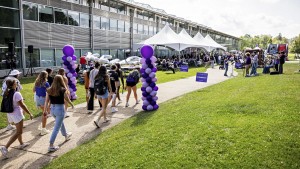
{"type": "Point", "coordinates": [131, 86]}
{"type": "Point", "coordinates": [16, 117]}
{"type": "Point", "coordinates": [103, 98]}
{"type": "Point", "coordinates": [40, 87]}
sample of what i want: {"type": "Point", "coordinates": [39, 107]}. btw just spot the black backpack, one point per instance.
{"type": "Point", "coordinates": [133, 77]}
{"type": "Point", "coordinates": [7, 105]}
{"type": "Point", "coordinates": [100, 86]}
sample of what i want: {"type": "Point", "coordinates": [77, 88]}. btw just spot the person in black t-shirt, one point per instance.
{"type": "Point", "coordinates": [121, 80]}
{"type": "Point", "coordinates": [114, 81]}
{"type": "Point", "coordinates": [281, 62]}
{"type": "Point", "coordinates": [49, 78]}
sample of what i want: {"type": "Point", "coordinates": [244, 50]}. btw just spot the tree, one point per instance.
{"type": "Point", "coordinates": [296, 44]}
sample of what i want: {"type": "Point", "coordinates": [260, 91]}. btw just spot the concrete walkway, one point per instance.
{"type": "Point", "coordinates": [81, 124]}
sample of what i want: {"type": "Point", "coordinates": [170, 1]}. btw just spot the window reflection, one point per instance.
{"type": "Point", "coordinates": [73, 18]}
{"type": "Point", "coordinates": [97, 23]}
{"type": "Point", "coordinates": [84, 20]}
{"type": "Point", "coordinates": [104, 5]}
{"type": "Point", "coordinates": [45, 14]}
{"type": "Point", "coordinates": [30, 11]}
{"type": "Point", "coordinates": [10, 3]}
{"type": "Point", "coordinates": [9, 18]}
{"type": "Point", "coordinates": [113, 25]}
{"type": "Point", "coordinates": [47, 57]}
{"type": "Point", "coordinates": [127, 27]}
{"type": "Point", "coordinates": [121, 26]}
{"type": "Point", "coordinates": [104, 23]}
{"type": "Point", "coordinates": [61, 16]}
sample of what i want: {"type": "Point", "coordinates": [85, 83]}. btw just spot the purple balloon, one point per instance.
{"type": "Point", "coordinates": [143, 79]}
{"type": "Point", "coordinates": [142, 70]}
{"type": "Point", "coordinates": [145, 75]}
{"type": "Point", "coordinates": [144, 66]}
{"type": "Point", "coordinates": [73, 57]}
{"type": "Point", "coordinates": [148, 80]}
{"type": "Point", "coordinates": [67, 63]}
{"type": "Point", "coordinates": [149, 107]}
{"type": "Point", "coordinates": [146, 103]}
{"type": "Point", "coordinates": [154, 79]}
{"type": "Point", "coordinates": [145, 94]}
{"type": "Point", "coordinates": [144, 107]}
{"type": "Point", "coordinates": [147, 51]}
{"type": "Point", "coordinates": [155, 88]}
{"type": "Point", "coordinates": [152, 75]}
{"type": "Point", "coordinates": [153, 93]}
{"type": "Point", "coordinates": [152, 84]}
{"type": "Point", "coordinates": [75, 74]}
{"type": "Point", "coordinates": [155, 107]}
{"type": "Point", "coordinates": [154, 69]}
{"type": "Point", "coordinates": [155, 98]}
{"type": "Point", "coordinates": [153, 103]}
{"type": "Point", "coordinates": [68, 50]}
{"type": "Point", "coordinates": [149, 89]}
{"type": "Point", "coordinates": [149, 98]}
{"type": "Point", "coordinates": [150, 66]}
{"type": "Point", "coordinates": [143, 60]}
{"type": "Point", "coordinates": [144, 98]}
{"type": "Point", "coordinates": [148, 61]}
{"type": "Point", "coordinates": [148, 70]}
{"type": "Point", "coordinates": [145, 84]}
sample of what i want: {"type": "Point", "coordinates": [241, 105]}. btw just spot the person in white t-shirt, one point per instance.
{"type": "Point", "coordinates": [93, 74]}
{"type": "Point", "coordinates": [16, 117]}
{"type": "Point", "coordinates": [14, 74]}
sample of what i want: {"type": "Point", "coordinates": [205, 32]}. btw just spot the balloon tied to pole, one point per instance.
{"type": "Point", "coordinates": [148, 72]}
{"type": "Point", "coordinates": [69, 64]}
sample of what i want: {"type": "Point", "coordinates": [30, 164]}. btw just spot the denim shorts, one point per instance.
{"type": "Point", "coordinates": [105, 96]}
{"type": "Point", "coordinates": [57, 110]}
{"type": "Point", "coordinates": [40, 100]}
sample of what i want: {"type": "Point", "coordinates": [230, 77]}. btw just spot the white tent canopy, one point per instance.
{"type": "Point", "coordinates": [214, 43]}
{"type": "Point", "coordinates": [168, 37]}
{"type": "Point", "coordinates": [202, 44]}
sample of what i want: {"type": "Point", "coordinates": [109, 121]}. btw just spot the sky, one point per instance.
{"type": "Point", "coordinates": [238, 17]}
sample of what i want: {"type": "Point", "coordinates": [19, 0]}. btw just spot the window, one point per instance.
{"type": "Point", "coordinates": [10, 3]}
{"type": "Point", "coordinates": [30, 11]}
{"type": "Point", "coordinates": [74, 1]}
{"type": "Point", "coordinates": [140, 29]}
{"type": "Point", "coordinates": [154, 30]}
{"type": "Point", "coordinates": [97, 22]}
{"type": "Point", "coordinates": [146, 15]}
{"type": "Point", "coordinates": [113, 25]}
{"type": "Point", "coordinates": [146, 29]}
{"type": "Point", "coordinates": [6, 61]}
{"type": "Point", "coordinates": [135, 28]}
{"type": "Point", "coordinates": [140, 14]}
{"type": "Point", "coordinates": [104, 52]}
{"type": "Point", "coordinates": [85, 2]}
{"type": "Point", "coordinates": [121, 26]}
{"type": "Point", "coordinates": [9, 35]}
{"type": "Point", "coordinates": [58, 55]}
{"type": "Point", "coordinates": [121, 54]}
{"type": "Point", "coordinates": [104, 23]}
{"type": "Point", "coordinates": [9, 18]}
{"type": "Point", "coordinates": [127, 27]}
{"type": "Point", "coordinates": [45, 14]}
{"type": "Point", "coordinates": [61, 16]}
{"type": "Point", "coordinates": [114, 53]}
{"type": "Point", "coordinates": [104, 5]}
{"type": "Point", "coordinates": [121, 9]}
{"type": "Point", "coordinates": [84, 20]}
{"type": "Point", "coordinates": [150, 30]}
{"type": "Point", "coordinates": [113, 6]}
{"type": "Point", "coordinates": [73, 18]}
{"type": "Point", "coordinates": [35, 58]}
{"type": "Point", "coordinates": [47, 57]}
{"type": "Point", "coordinates": [163, 21]}
{"type": "Point", "coordinates": [151, 16]}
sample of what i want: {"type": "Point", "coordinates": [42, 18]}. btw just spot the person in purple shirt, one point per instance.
{"type": "Point", "coordinates": [247, 64]}
{"type": "Point", "coordinates": [40, 87]}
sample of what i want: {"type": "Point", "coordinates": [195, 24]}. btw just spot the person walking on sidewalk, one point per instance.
{"type": "Point", "coordinates": [92, 76]}
{"type": "Point", "coordinates": [61, 72]}
{"type": "Point", "coordinates": [131, 81]}
{"type": "Point", "coordinates": [121, 80]}
{"type": "Point", "coordinates": [16, 117]}
{"type": "Point", "coordinates": [56, 96]}
{"type": "Point", "coordinates": [114, 81]}
{"type": "Point", "coordinates": [40, 87]}
{"type": "Point", "coordinates": [102, 88]}
{"type": "Point", "coordinates": [14, 74]}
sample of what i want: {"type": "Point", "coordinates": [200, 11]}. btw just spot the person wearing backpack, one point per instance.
{"type": "Point", "coordinates": [40, 87]}
{"type": "Point", "coordinates": [14, 74]}
{"type": "Point", "coordinates": [121, 79]}
{"type": "Point", "coordinates": [114, 81]}
{"type": "Point", "coordinates": [16, 116]}
{"type": "Point", "coordinates": [102, 88]}
{"type": "Point", "coordinates": [131, 81]}
{"type": "Point", "coordinates": [92, 76]}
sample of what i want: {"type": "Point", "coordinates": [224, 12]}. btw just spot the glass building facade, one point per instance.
{"type": "Point", "coordinates": [100, 26]}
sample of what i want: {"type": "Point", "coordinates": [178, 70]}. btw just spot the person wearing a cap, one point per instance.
{"type": "Point", "coordinates": [14, 74]}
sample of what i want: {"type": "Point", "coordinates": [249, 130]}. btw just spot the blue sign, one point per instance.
{"type": "Point", "coordinates": [184, 68]}
{"type": "Point", "coordinates": [201, 77]}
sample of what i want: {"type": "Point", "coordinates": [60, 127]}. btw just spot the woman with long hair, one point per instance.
{"type": "Point", "coordinates": [86, 75]}
{"type": "Point", "coordinates": [102, 75]}
{"type": "Point", "coordinates": [61, 72]}
{"type": "Point", "coordinates": [131, 81]}
{"type": "Point", "coordinates": [40, 87]}
{"type": "Point", "coordinates": [16, 117]}
{"type": "Point", "coordinates": [121, 76]}
{"type": "Point", "coordinates": [57, 96]}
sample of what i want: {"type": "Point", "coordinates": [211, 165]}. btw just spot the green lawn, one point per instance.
{"type": "Point", "coordinates": [27, 83]}
{"type": "Point", "coordinates": [240, 123]}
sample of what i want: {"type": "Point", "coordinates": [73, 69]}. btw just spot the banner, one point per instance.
{"type": "Point", "coordinates": [184, 68]}
{"type": "Point", "coordinates": [201, 77]}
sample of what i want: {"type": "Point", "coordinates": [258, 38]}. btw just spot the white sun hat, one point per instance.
{"type": "Point", "coordinates": [14, 72]}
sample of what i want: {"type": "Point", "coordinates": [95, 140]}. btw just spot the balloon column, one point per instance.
{"type": "Point", "coordinates": [149, 88]}
{"type": "Point", "coordinates": [69, 64]}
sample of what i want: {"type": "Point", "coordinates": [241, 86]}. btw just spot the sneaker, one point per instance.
{"type": "Point", "coordinates": [40, 127]}
{"type": "Point", "coordinates": [4, 151]}
{"type": "Point", "coordinates": [22, 146]}
{"type": "Point", "coordinates": [10, 127]}
{"type": "Point", "coordinates": [67, 115]}
{"type": "Point", "coordinates": [126, 105]}
{"type": "Point", "coordinates": [52, 149]}
{"type": "Point", "coordinates": [106, 120]}
{"type": "Point", "coordinates": [114, 109]}
{"type": "Point", "coordinates": [90, 111]}
{"type": "Point", "coordinates": [44, 131]}
{"type": "Point", "coordinates": [68, 136]}
{"type": "Point", "coordinates": [96, 124]}
{"type": "Point", "coordinates": [137, 102]}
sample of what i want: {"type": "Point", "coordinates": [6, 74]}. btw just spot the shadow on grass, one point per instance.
{"type": "Point", "coordinates": [142, 118]}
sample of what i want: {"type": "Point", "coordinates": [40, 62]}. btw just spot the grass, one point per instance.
{"type": "Point", "coordinates": [28, 84]}
{"type": "Point", "coordinates": [240, 123]}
